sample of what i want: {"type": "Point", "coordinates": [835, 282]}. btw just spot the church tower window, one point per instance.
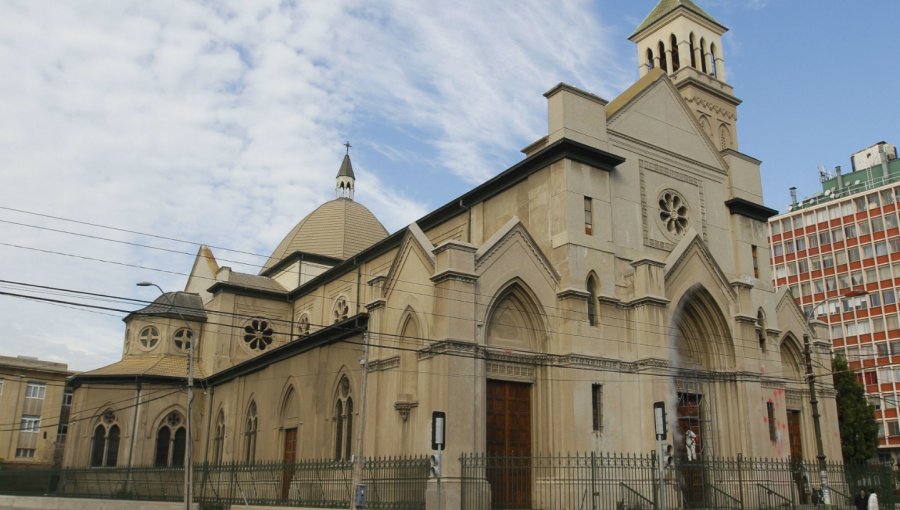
{"type": "Point", "coordinates": [592, 300]}
{"type": "Point", "coordinates": [649, 58]}
{"type": "Point", "coordinates": [661, 49]}
{"type": "Point", "coordinates": [673, 44]}
{"type": "Point", "coordinates": [182, 339]}
{"type": "Point", "coordinates": [148, 337]}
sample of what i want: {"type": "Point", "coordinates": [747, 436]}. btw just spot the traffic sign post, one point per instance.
{"type": "Point", "coordinates": [438, 442]}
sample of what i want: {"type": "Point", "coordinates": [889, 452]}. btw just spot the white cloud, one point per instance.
{"type": "Point", "coordinates": [221, 123]}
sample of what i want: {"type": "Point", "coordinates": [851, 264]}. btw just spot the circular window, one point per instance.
{"type": "Point", "coordinates": [258, 334]}
{"type": "Point", "coordinates": [109, 417]}
{"type": "Point", "coordinates": [148, 337]}
{"type": "Point", "coordinates": [174, 419]}
{"type": "Point", "coordinates": [304, 325]}
{"type": "Point", "coordinates": [182, 339]}
{"type": "Point", "coordinates": [673, 213]}
{"type": "Point", "coordinates": [341, 309]}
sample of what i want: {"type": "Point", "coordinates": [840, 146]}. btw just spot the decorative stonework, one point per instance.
{"type": "Point", "coordinates": [303, 325]}
{"type": "Point", "coordinates": [510, 371]}
{"type": "Point", "coordinates": [674, 211]}
{"type": "Point", "coordinates": [404, 407]}
{"type": "Point", "coordinates": [384, 364]}
{"type": "Point", "coordinates": [258, 334]}
{"type": "Point", "coordinates": [341, 309]}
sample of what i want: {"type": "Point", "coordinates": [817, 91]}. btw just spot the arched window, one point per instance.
{"type": "Point", "coordinates": [649, 58]}
{"type": "Point", "coordinates": [703, 54]}
{"type": "Point", "coordinates": [724, 137]}
{"type": "Point", "coordinates": [171, 441]}
{"type": "Point", "coordinates": [250, 430]}
{"type": "Point", "coordinates": [761, 330]}
{"type": "Point", "coordinates": [691, 46]}
{"type": "Point", "coordinates": [105, 441]}
{"type": "Point", "coordinates": [343, 420]}
{"type": "Point", "coordinates": [592, 300]}
{"type": "Point", "coordinates": [673, 44]}
{"type": "Point", "coordinates": [219, 442]}
{"type": "Point", "coordinates": [661, 50]}
{"type": "Point", "coordinates": [712, 60]}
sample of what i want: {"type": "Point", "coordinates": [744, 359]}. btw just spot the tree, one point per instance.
{"type": "Point", "coordinates": [856, 416]}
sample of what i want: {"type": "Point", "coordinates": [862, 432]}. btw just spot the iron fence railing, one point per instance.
{"type": "Point", "coordinates": [567, 482]}
{"type": "Point", "coordinates": [631, 482]}
{"type": "Point", "coordinates": [393, 483]}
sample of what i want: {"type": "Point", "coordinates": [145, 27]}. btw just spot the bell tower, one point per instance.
{"type": "Point", "coordinates": [685, 42]}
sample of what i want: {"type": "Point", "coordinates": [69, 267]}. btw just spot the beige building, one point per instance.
{"type": "Point", "coordinates": [36, 404]}
{"type": "Point", "coordinates": [621, 262]}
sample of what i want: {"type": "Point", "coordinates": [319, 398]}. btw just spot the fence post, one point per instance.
{"type": "Point", "coordinates": [740, 459]}
{"type": "Point", "coordinates": [593, 480]}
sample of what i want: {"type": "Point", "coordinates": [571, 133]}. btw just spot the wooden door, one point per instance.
{"type": "Point", "coordinates": [799, 472]}
{"type": "Point", "coordinates": [509, 443]}
{"type": "Point", "coordinates": [289, 458]}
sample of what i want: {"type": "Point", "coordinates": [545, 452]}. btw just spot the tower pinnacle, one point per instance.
{"type": "Point", "coordinates": [346, 182]}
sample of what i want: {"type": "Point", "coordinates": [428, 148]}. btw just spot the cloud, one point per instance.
{"type": "Point", "coordinates": [221, 122]}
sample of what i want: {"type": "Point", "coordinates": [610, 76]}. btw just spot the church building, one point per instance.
{"type": "Point", "coordinates": [622, 262]}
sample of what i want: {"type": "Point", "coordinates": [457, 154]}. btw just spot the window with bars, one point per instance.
{"type": "Point", "coordinates": [597, 406]}
{"type": "Point", "coordinates": [588, 216]}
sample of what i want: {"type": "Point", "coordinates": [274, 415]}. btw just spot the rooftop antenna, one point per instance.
{"type": "Point", "coordinates": [823, 174]}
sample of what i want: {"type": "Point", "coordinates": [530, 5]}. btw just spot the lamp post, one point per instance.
{"type": "Point", "coordinates": [813, 399]}
{"type": "Point", "coordinates": [189, 446]}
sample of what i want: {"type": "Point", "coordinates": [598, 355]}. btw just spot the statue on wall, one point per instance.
{"type": "Point", "coordinates": [690, 445]}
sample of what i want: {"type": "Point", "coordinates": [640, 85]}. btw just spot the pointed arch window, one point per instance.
{"type": "Point", "coordinates": [661, 50]}
{"type": "Point", "coordinates": [219, 442]}
{"type": "Point", "coordinates": [592, 300]}
{"type": "Point", "coordinates": [649, 58]}
{"type": "Point", "coordinates": [703, 54]}
{"type": "Point", "coordinates": [250, 431]}
{"type": "Point", "coordinates": [343, 420]}
{"type": "Point", "coordinates": [712, 61]}
{"type": "Point", "coordinates": [105, 441]}
{"type": "Point", "coordinates": [761, 330]}
{"type": "Point", "coordinates": [692, 47]}
{"type": "Point", "coordinates": [171, 440]}
{"type": "Point", "coordinates": [673, 44]}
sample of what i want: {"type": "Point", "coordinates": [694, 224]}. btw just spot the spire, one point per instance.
{"type": "Point", "coordinates": [664, 7]}
{"type": "Point", "coordinates": [346, 181]}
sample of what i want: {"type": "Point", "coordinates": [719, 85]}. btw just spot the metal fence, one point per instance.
{"type": "Point", "coordinates": [393, 483]}
{"type": "Point", "coordinates": [631, 482]}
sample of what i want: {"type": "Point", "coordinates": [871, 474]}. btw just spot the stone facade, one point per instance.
{"type": "Point", "coordinates": [544, 311]}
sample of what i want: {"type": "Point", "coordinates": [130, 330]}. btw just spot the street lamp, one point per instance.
{"type": "Point", "coordinates": [813, 399]}
{"type": "Point", "coordinates": [189, 446]}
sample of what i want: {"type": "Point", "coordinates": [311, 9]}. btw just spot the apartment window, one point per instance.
{"type": "Point", "coordinates": [24, 453]}
{"type": "Point", "coordinates": [871, 275]}
{"type": "Point", "coordinates": [853, 254]}
{"type": "Point", "coordinates": [776, 227]}
{"type": "Point", "coordinates": [816, 263]}
{"type": "Point", "coordinates": [588, 216]}
{"type": "Point", "coordinates": [887, 196]}
{"type": "Point", "coordinates": [35, 390]}
{"type": "Point", "coordinates": [789, 247]}
{"type": "Point", "coordinates": [877, 224]}
{"type": "Point", "coordinates": [890, 220]}
{"type": "Point", "coordinates": [773, 432]}
{"type": "Point", "coordinates": [755, 255]}
{"type": "Point", "coordinates": [870, 377]}
{"type": "Point", "coordinates": [840, 258]}
{"type": "Point", "coordinates": [878, 324]}
{"type": "Point", "coordinates": [777, 250]}
{"type": "Point", "coordinates": [881, 430]}
{"type": "Point", "coordinates": [597, 406]}
{"type": "Point", "coordinates": [856, 279]}
{"type": "Point", "coordinates": [812, 241]}
{"type": "Point", "coordinates": [893, 428]}
{"type": "Point", "coordinates": [847, 208]}
{"type": "Point", "coordinates": [834, 212]}
{"type": "Point", "coordinates": [873, 201]}
{"type": "Point", "coordinates": [837, 331]}
{"type": "Point", "coordinates": [895, 244]}
{"type": "Point", "coordinates": [882, 348]}
{"type": "Point", "coordinates": [890, 322]}
{"type": "Point", "coordinates": [837, 235]}
{"type": "Point", "coordinates": [30, 423]}
{"type": "Point", "coordinates": [864, 228]}
{"type": "Point", "coordinates": [850, 231]}
{"type": "Point", "coordinates": [830, 283]}
{"type": "Point", "coordinates": [888, 297]}
{"type": "Point", "coordinates": [875, 401]}
{"type": "Point", "coordinates": [881, 248]}
{"type": "Point", "coordinates": [802, 266]}
{"type": "Point", "coordinates": [67, 399]}
{"type": "Point", "coordinates": [827, 261]}
{"type": "Point", "coordinates": [895, 347]}
{"type": "Point", "coordinates": [801, 243]}
{"type": "Point", "coordinates": [825, 237]}
{"type": "Point", "coordinates": [890, 401]}
{"type": "Point", "coordinates": [860, 204]}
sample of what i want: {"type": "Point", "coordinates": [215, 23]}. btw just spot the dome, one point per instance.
{"type": "Point", "coordinates": [340, 228]}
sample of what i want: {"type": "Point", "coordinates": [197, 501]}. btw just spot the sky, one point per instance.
{"type": "Point", "coordinates": [132, 132]}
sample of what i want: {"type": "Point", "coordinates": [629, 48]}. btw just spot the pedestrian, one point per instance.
{"type": "Point", "coordinates": [861, 501]}
{"type": "Point", "coordinates": [873, 500]}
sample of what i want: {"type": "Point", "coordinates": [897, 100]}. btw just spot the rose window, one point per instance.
{"type": "Point", "coordinates": [258, 334]}
{"type": "Point", "coordinates": [182, 339]}
{"type": "Point", "coordinates": [304, 325]}
{"type": "Point", "coordinates": [174, 419]}
{"type": "Point", "coordinates": [109, 417]}
{"type": "Point", "coordinates": [341, 309]}
{"type": "Point", "coordinates": [149, 337]}
{"type": "Point", "coordinates": [673, 212]}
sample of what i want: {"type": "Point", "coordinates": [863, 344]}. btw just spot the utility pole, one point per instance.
{"type": "Point", "coordinates": [360, 490]}
{"type": "Point", "coordinates": [814, 402]}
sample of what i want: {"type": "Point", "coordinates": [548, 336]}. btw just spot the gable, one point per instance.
{"type": "Point", "coordinates": [690, 263]}
{"type": "Point", "coordinates": [658, 115]}
{"type": "Point", "coordinates": [413, 263]}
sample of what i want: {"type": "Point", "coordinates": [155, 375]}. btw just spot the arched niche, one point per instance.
{"type": "Point", "coordinates": [516, 320]}
{"type": "Point", "coordinates": [702, 338]}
